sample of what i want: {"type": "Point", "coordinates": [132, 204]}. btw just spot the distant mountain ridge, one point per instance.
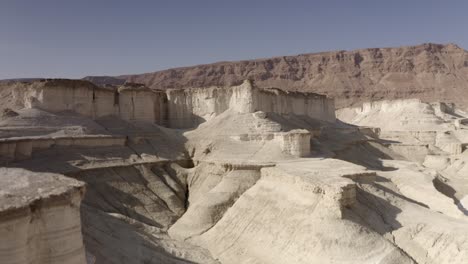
{"type": "Point", "coordinates": [431, 72]}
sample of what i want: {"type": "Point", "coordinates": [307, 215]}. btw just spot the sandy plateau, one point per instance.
{"type": "Point", "coordinates": [240, 174]}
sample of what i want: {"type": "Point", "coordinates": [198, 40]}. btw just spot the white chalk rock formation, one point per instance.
{"type": "Point", "coordinates": [228, 175]}
{"type": "Point", "coordinates": [130, 102]}
{"type": "Point", "coordinates": [413, 128]}
{"type": "Point", "coordinates": [176, 108]}
{"type": "Point", "coordinates": [190, 107]}
{"type": "Point", "coordinates": [295, 214]}
{"type": "Point", "coordinates": [206, 208]}
{"type": "Point", "coordinates": [40, 218]}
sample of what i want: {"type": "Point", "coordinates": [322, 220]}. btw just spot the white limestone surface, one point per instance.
{"type": "Point", "coordinates": [40, 218]}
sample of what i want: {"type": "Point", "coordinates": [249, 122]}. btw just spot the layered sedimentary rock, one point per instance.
{"type": "Point", "coordinates": [183, 108]}
{"type": "Point", "coordinates": [412, 128]}
{"type": "Point", "coordinates": [432, 72]}
{"type": "Point", "coordinates": [136, 102]}
{"type": "Point", "coordinates": [129, 102]}
{"type": "Point", "coordinates": [429, 134]}
{"type": "Point", "coordinates": [322, 194]}
{"type": "Point", "coordinates": [14, 149]}
{"type": "Point", "coordinates": [296, 142]}
{"type": "Point", "coordinates": [40, 218]}
{"type": "Point", "coordinates": [256, 176]}
{"type": "Point", "coordinates": [190, 107]}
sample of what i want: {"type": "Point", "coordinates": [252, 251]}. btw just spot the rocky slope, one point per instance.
{"type": "Point", "coordinates": [431, 72]}
{"type": "Point", "coordinates": [262, 179]}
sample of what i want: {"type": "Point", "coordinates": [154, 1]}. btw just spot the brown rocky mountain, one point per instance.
{"type": "Point", "coordinates": [431, 72]}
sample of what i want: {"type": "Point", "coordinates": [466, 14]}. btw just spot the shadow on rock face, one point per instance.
{"type": "Point", "coordinates": [348, 143]}
{"type": "Point", "coordinates": [374, 212]}
{"type": "Point", "coordinates": [448, 191]}
{"type": "Point", "coordinates": [116, 239]}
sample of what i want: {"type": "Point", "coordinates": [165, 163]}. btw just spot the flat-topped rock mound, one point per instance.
{"type": "Point", "coordinates": [431, 134]}
{"type": "Point", "coordinates": [36, 122]}
{"type": "Point", "coordinates": [40, 218]}
{"type": "Point", "coordinates": [22, 188]}
{"type": "Point", "coordinates": [401, 115]}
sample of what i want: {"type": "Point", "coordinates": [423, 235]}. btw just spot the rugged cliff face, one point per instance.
{"type": "Point", "coordinates": [256, 176]}
{"type": "Point", "coordinates": [175, 108]}
{"type": "Point", "coordinates": [190, 107]}
{"type": "Point", "coordinates": [431, 72]}
{"type": "Point", "coordinates": [40, 218]}
{"type": "Point", "coordinates": [129, 101]}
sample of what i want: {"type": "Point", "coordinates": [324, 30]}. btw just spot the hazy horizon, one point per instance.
{"type": "Point", "coordinates": [55, 39]}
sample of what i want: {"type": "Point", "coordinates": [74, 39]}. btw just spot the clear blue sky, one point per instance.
{"type": "Point", "coordinates": [62, 38]}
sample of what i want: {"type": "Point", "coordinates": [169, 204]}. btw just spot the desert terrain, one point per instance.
{"type": "Point", "coordinates": [430, 72]}
{"type": "Point", "coordinates": [337, 157]}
